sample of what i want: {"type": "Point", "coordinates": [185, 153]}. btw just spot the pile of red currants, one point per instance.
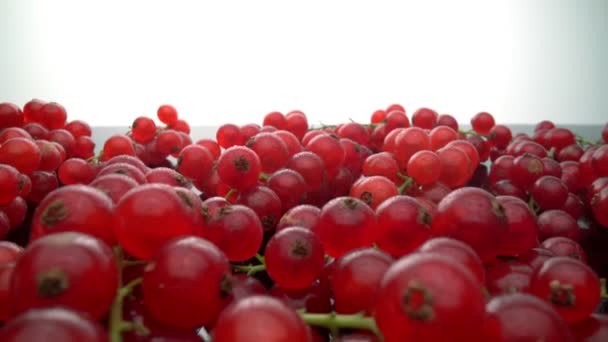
{"type": "Point", "coordinates": [403, 229]}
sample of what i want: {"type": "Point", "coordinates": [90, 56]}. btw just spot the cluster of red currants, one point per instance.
{"type": "Point", "coordinates": [394, 230]}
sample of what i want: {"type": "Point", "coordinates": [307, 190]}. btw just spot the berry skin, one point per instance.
{"type": "Point", "coordinates": [9, 184]}
{"type": "Point", "coordinates": [239, 167]}
{"type": "Point", "coordinates": [78, 208]}
{"type": "Point", "coordinates": [265, 203]}
{"type": "Point", "coordinates": [52, 324]}
{"type": "Point", "coordinates": [428, 297]}
{"type": "Point", "coordinates": [297, 123]}
{"type": "Point", "coordinates": [526, 170]}
{"type": "Point", "coordinates": [457, 251]}
{"type": "Point", "coordinates": [562, 246]}
{"type": "Point", "coordinates": [76, 171]}
{"type": "Point", "coordinates": [260, 318]}
{"type": "Point", "coordinates": [304, 215]}
{"type": "Point", "coordinates": [345, 223]}
{"type": "Point", "coordinates": [271, 150]}
{"type": "Point", "coordinates": [167, 114]}
{"type": "Point", "coordinates": [236, 230]}
{"type": "Point", "coordinates": [402, 225]}
{"type": "Point", "coordinates": [21, 153]}
{"type": "Point", "coordinates": [45, 277]}
{"type": "Point", "coordinates": [373, 190]}
{"type": "Point", "coordinates": [140, 230]}
{"type": "Point", "coordinates": [424, 167]}
{"type": "Point", "coordinates": [186, 283]}
{"type": "Point", "coordinates": [599, 205]}
{"type": "Point", "coordinates": [114, 185]}
{"type": "Point", "coordinates": [143, 129]}
{"type": "Point", "coordinates": [557, 223]}
{"type": "Point", "coordinates": [275, 119]}
{"type": "Point", "coordinates": [195, 162]}
{"type": "Point", "coordinates": [9, 252]}
{"type": "Point", "coordinates": [329, 149]}
{"type": "Point", "coordinates": [522, 232]}
{"type": "Point", "coordinates": [549, 192]}
{"type": "Point", "coordinates": [456, 167]}
{"type": "Point", "coordinates": [52, 115]}
{"type": "Point", "coordinates": [308, 165]}
{"type": "Point", "coordinates": [569, 285]}
{"type": "Point", "coordinates": [482, 123]}
{"type": "Point", "coordinates": [425, 118]}
{"type": "Point", "coordinates": [356, 280]}
{"type": "Point", "coordinates": [523, 317]}
{"type": "Point", "coordinates": [474, 216]}
{"type": "Point", "coordinates": [294, 258]}
{"type": "Point", "coordinates": [117, 145]}
{"type": "Point", "coordinates": [78, 128]}
{"type": "Point", "coordinates": [10, 115]}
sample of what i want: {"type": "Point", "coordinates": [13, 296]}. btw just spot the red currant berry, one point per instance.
{"type": "Point", "coordinates": [569, 285]}
{"type": "Point", "coordinates": [189, 294]}
{"type": "Point", "coordinates": [260, 318]}
{"type": "Point", "coordinates": [294, 258]}
{"type": "Point", "coordinates": [239, 167]}
{"type": "Point", "coordinates": [85, 281]}
{"type": "Point", "coordinates": [356, 280]}
{"type": "Point", "coordinates": [482, 122]}
{"type": "Point", "coordinates": [523, 317]}
{"type": "Point", "coordinates": [236, 230]}
{"type": "Point", "coordinates": [414, 303]}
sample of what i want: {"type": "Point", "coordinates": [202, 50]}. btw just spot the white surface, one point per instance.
{"type": "Point", "coordinates": [218, 61]}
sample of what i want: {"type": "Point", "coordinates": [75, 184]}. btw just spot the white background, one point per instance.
{"type": "Point", "coordinates": [234, 61]}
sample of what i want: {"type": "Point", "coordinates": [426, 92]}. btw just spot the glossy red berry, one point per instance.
{"type": "Point", "coordinates": [562, 246]}
{"type": "Point", "coordinates": [77, 208]}
{"type": "Point", "coordinates": [549, 192]}
{"type": "Point", "coordinates": [10, 115]}
{"type": "Point", "coordinates": [310, 166]}
{"type": "Point", "coordinates": [186, 283]}
{"type": "Point", "coordinates": [526, 170]}
{"type": "Point", "coordinates": [239, 167]}
{"type": "Point", "coordinates": [167, 114]}
{"type": "Point", "coordinates": [356, 280]}
{"type": "Point", "coordinates": [76, 171]}
{"type": "Point", "coordinates": [482, 122]}
{"type": "Point", "coordinates": [114, 185]}
{"type": "Point", "coordinates": [52, 115]}
{"type": "Point", "coordinates": [266, 204]}
{"type": "Point", "coordinates": [21, 153]}
{"type": "Point", "coordinates": [141, 231]}
{"type": "Point", "coordinates": [294, 258]}
{"type": "Point", "coordinates": [86, 281]}
{"type": "Point", "coordinates": [458, 251]}
{"type": "Point", "coordinates": [456, 167]}
{"type": "Point", "coordinates": [59, 323]}
{"type": "Point", "coordinates": [345, 223]}
{"type": "Point", "coordinates": [599, 206]}
{"type": "Point", "coordinates": [474, 216]}
{"type": "Point", "coordinates": [328, 148]}
{"type": "Point", "coordinates": [9, 252]}
{"type": "Point", "coordinates": [447, 120]}
{"type": "Point", "coordinates": [523, 317]}
{"type": "Point", "coordinates": [402, 225]}
{"type": "Point", "coordinates": [297, 123]}
{"type": "Point", "coordinates": [424, 167]}
{"type": "Point", "coordinates": [260, 318]}
{"type": "Point", "coordinates": [425, 118]}
{"type": "Point", "coordinates": [424, 297]}
{"type": "Point", "coordinates": [557, 222]}
{"type": "Point", "coordinates": [373, 190]}
{"type": "Point", "coordinates": [569, 285]}
{"type": "Point", "coordinates": [194, 162]}
{"type": "Point", "coordinates": [78, 128]}
{"type": "Point", "coordinates": [236, 230]}
{"type": "Point", "coordinates": [522, 232]}
{"type": "Point", "coordinates": [9, 184]}
{"type": "Point", "coordinates": [304, 215]}
{"type": "Point", "coordinates": [271, 150]}
{"type": "Point", "coordinates": [143, 129]}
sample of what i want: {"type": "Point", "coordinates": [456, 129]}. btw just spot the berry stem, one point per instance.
{"type": "Point", "coordinates": [130, 263]}
{"type": "Point", "coordinates": [250, 269]}
{"type": "Point", "coordinates": [117, 325]}
{"type": "Point", "coordinates": [406, 184]}
{"type": "Point", "coordinates": [229, 194]}
{"type": "Point", "coordinates": [263, 176]}
{"type": "Point", "coordinates": [334, 322]}
{"type": "Point", "coordinates": [533, 206]}
{"type": "Point", "coordinates": [260, 258]}
{"type": "Point", "coordinates": [604, 292]}
{"type": "Point", "coordinates": [582, 141]}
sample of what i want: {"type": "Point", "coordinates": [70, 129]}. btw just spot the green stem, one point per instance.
{"type": "Point", "coordinates": [229, 194]}
{"type": "Point", "coordinates": [260, 258]}
{"type": "Point", "coordinates": [604, 292]}
{"type": "Point", "coordinates": [263, 176]}
{"type": "Point", "coordinates": [334, 322]}
{"type": "Point", "coordinates": [533, 205]}
{"type": "Point", "coordinates": [583, 141]}
{"type": "Point", "coordinates": [250, 269]}
{"type": "Point", "coordinates": [406, 184]}
{"type": "Point", "coordinates": [117, 325]}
